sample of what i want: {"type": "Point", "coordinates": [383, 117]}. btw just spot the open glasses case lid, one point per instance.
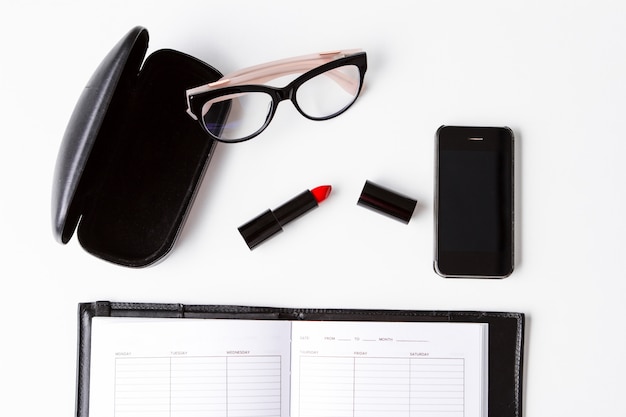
{"type": "Point", "coordinates": [131, 160]}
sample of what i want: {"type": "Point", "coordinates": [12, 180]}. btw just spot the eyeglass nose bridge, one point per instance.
{"type": "Point", "coordinates": [286, 93]}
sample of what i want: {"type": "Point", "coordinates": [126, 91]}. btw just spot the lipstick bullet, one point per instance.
{"type": "Point", "coordinates": [271, 222]}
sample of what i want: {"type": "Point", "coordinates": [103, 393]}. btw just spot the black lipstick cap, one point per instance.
{"type": "Point", "coordinates": [387, 202]}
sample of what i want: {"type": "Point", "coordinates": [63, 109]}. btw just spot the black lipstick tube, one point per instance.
{"type": "Point", "coordinates": [269, 223]}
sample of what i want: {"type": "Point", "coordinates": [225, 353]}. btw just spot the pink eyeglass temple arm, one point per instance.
{"type": "Point", "coordinates": [263, 73]}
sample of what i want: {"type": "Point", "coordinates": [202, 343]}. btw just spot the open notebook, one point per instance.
{"type": "Point", "coordinates": [292, 365]}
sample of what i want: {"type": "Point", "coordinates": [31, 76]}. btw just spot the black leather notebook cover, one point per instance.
{"type": "Point", "coordinates": [506, 338]}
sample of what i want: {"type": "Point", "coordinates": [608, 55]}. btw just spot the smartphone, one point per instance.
{"type": "Point", "coordinates": [474, 202]}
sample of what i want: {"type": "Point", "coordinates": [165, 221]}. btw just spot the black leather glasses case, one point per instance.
{"type": "Point", "coordinates": [131, 159]}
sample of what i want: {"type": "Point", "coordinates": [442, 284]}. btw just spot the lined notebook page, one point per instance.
{"type": "Point", "coordinates": [189, 368]}
{"type": "Point", "coordinates": [350, 369]}
{"type": "Point", "coordinates": [152, 367]}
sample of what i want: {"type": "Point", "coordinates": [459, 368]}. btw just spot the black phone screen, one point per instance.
{"type": "Point", "coordinates": [474, 202]}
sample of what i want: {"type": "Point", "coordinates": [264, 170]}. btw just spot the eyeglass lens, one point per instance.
{"type": "Point", "coordinates": [247, 115]}
{"type": "Point", "coordinates": [321, 97]}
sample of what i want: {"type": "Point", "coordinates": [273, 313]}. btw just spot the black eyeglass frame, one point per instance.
{"type": "Point", "coordinates": [278, 94]}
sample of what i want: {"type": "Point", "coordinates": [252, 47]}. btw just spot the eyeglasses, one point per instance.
{"type": "Point", "coordinates": [239, 106]}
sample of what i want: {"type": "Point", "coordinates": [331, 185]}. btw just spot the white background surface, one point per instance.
{"type": "Point", "coordinates": [554, 71]}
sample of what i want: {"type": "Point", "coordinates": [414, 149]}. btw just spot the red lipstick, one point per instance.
{"type": "Point", "coordinates": [270, 222]}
